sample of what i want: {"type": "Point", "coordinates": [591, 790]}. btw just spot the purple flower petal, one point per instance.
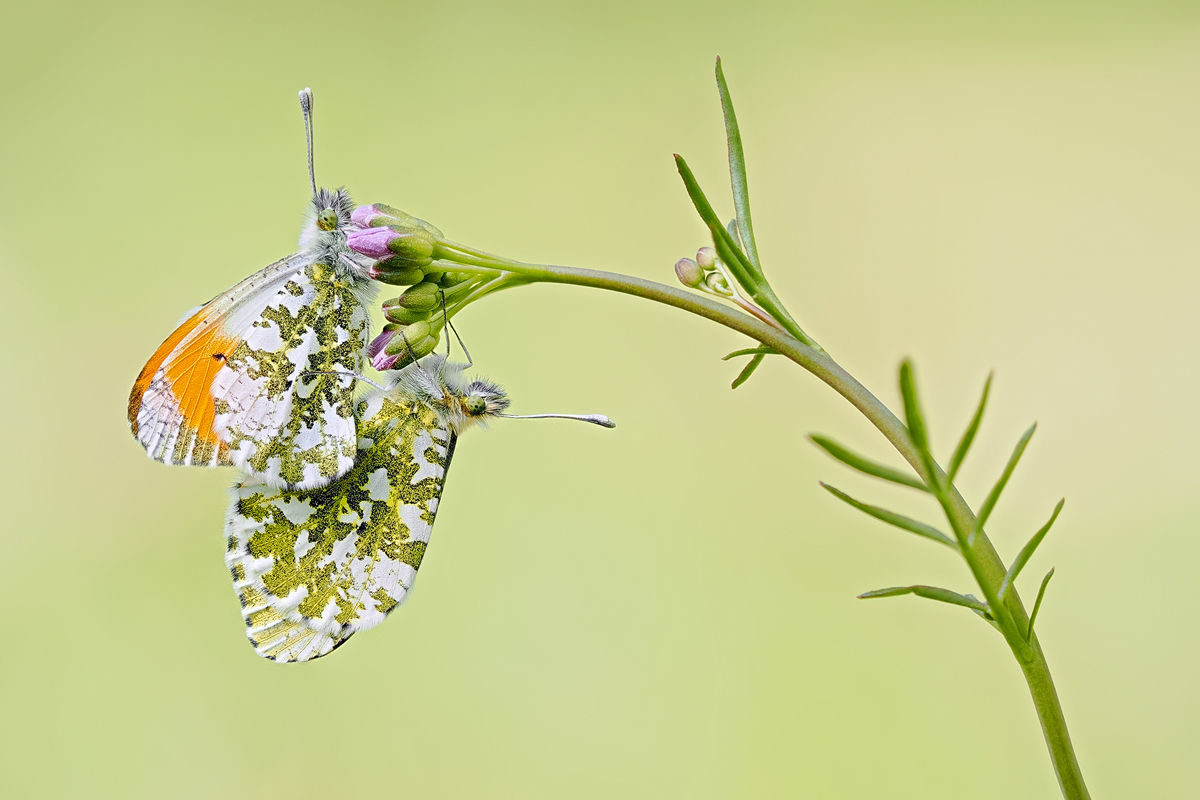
{"type": "Point", "coordinates": [363, 215]}
{"type": "Point", "coordinates": [372, 242]}
{"type": "Point", "coordinates": [378, 343]}
{"type": "Point", "coordinates": [383, 362]}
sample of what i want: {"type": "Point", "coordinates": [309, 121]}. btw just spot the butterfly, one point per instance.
{"type": "Point", "coordinates": [262, 377]}
{"type": "Point", "coordinates": [312, 567]}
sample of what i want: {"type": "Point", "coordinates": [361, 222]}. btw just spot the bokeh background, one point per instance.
{"type": "Point", "coordinates": [665, 610]}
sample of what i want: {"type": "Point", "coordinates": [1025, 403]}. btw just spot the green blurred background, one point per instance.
{"type": "Point", "coordinates": [665, 610]}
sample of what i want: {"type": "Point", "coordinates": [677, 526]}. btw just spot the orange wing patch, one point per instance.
{"type": "Point", "coordinates": [176, 387]}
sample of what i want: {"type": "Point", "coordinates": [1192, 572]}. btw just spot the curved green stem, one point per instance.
{"type": "Point", "coordinates": [989, 569]}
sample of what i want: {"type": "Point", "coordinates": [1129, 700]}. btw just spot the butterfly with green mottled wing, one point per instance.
{"type": "Point", "coordinates": [262, 376]}
{"type": "Point", "coordinates": [312, 567]}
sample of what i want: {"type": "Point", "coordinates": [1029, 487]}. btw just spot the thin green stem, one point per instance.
{"type": "Point", "coordinates": [983, 558]}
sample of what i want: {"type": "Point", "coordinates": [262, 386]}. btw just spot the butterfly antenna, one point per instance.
{"type": "Point", "coordinates": [595, 419]}
{"type": "Point", "coordinates": [450, 325]}
{"type": "Point", "coordinates": [306, 105]}
{"type": "Point", "coordinates": [445, 320]}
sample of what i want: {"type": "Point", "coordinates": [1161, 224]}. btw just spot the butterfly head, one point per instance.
{"type": "Point", "coordinates": [458, 402]}
{"type": "Point", "coordinates": [328, 220]}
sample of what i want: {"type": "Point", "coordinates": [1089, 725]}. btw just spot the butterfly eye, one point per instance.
{"type": "Point", "coordinates": [475, 405]}
{"type": "Point", "coordinates": [327, 220]}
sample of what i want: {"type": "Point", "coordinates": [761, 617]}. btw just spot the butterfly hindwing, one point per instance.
{"type": "Point", "coordinates": [312, 567]}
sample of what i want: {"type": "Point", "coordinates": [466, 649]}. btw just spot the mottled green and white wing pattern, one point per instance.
{"type": "Point", "coordinates": [312, 567]}
{"type": "Point", "coordinates": [284, 424]}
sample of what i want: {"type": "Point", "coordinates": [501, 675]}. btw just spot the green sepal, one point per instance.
{"type": "Point", "coordinates": [964, 444]}
{"type": "Point", "coordinates": [430, 228]}
{"type": "Point", "coordinates": [419, 349]}
{"type": "Point", "coordinates": [413, 245]}
{"type": "Point", "coordinates": [400, 273]}
{"type": "Point", "coordinates": [402, 315]}
{"type": "Point", "coordinates": [865, 465]}
{"type": "Point", "coordinates": [747, 371]}
{"type": "Point", "coordinates": [892, 518]}
{"type": "Point", "coordinates": [412, 334]}
{"type": "Point", "coordinates": [1027, 551]}
{"type": "Point", "coordinates": [424, 296]}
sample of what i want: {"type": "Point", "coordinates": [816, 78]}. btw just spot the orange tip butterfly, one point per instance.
{"type": "Point", "coordinates": [262, 377]}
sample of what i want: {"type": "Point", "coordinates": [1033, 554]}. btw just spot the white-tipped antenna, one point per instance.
{"type": "Point", "coordinates": [595, 419]}
{"type": "Point", "coordinates": [306, 105]}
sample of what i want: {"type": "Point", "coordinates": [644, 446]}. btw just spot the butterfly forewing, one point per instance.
{"type": "Point", "coordinates": [312, 567]}
{"type": "Point", "coordinates": [171, 410]}
{"type": "Point", "coordinates": [239, 382]}
{"type": "Point", "coordinates": [287, 420]}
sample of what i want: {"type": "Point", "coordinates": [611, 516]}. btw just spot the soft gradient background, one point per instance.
{"type": "Point", "coordinates": [665, 610]}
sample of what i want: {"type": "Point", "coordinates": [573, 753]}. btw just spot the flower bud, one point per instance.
{"type": "Point", "coordinates": [372, 242]}
{"type": "Point", "coordinates": [395, 271]}
{"type": "Point", "coordinates": [381, 341]}
{"type": "Point", "coordinates": [453, 278]}
{"type": "Point", "coordinates": [384, 361]}
{"type": "Point", "coordinates": [414, 333]}
{"type": "Point", "coordinates": [689, 272]}
{"type": "Point", "coordinates": [413, 245]}
{"type": "Point", "coordinates": [716, 281]}
{"type": "Point", "coordinates": [379, 215]}
{"type": "Point", "coordinates": [398, 313]}
{"type": "Point", "coordinates": [706, 257]}
{"type": "Point", "coordinates": [422, 297]}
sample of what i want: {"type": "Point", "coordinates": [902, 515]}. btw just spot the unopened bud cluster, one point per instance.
{"type": "Point", "coordinates": [402, 245]}
{"type": "Point", "coordinates": [704, 273]}
{"type": "Point", "coordinates": [404, 249]}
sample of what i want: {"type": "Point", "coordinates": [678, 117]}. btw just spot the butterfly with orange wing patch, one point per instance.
{"type": "Point", "coordinates": [262, 377]}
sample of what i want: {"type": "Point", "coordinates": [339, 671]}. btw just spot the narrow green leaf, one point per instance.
{"type": "Point", "coordinates": [737, 172]}
{"type": "Point", "coordinates": [1027, 551]}
{"type": "Point", "coordinates": [892, 518]}
{"type": "Point", "coordinates": [989, 503]}
{"type": "Point", "coordinates": [751, 351]}
{"type": "Point", "coordinates": [747, 371]}
{"type": "Point", "coordinates": [915, 419]}
{"type": "Point", "coordinates": [930, 593]}
{"type": "Point", "coordinates": [862, 464]}
{"type": "Point", "coordinates": [893, 591]}
{"type": "Point", "coordinates": [964, 444]}
{"type": "Point", "coordinates": [1037, 604]}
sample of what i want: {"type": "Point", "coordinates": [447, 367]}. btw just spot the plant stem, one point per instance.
{"type": "Point", "coordinates": [989, 567]}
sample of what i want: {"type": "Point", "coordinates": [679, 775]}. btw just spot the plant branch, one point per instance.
{"type": "Point", "coordinates": [986, 562]}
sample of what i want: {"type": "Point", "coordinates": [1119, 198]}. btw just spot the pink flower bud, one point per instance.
{"type": "Point", "coordinates": [372, 242]}
{"type": "Point", "coordinates": [689, 272]}
{"type": "Point", "coordinates": [381, 341]}
{"type": "Point", "coordinates": [363, 215]}
{"type": "Point", "coordinates": [706, 257]}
